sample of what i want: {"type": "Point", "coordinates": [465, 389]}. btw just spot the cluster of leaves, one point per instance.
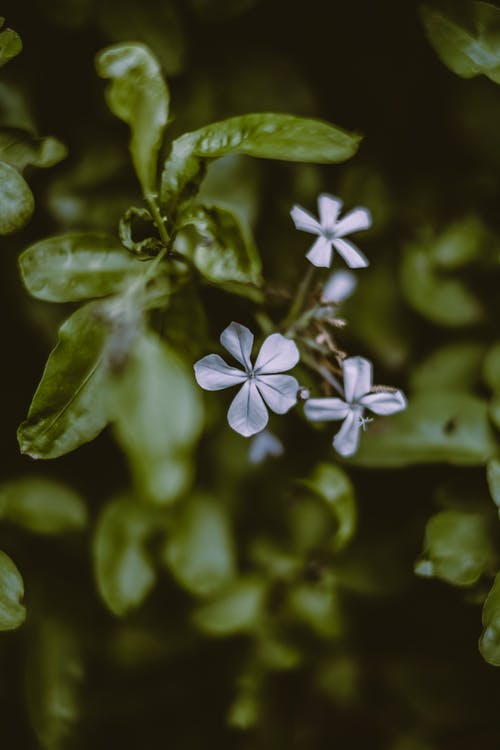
{"type": "Point", "coordinates": [119, 360]}
{"type": "Point", "coordinates": [19, 148]}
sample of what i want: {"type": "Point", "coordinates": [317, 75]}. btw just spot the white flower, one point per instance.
{"type": "Point", "coordinates": [264, 445]}
{"type": "Point", "coordinates": [332, 231]}
{"type": "Point", "coordinates": [339, 286]}
{"type": "Point", "coordinates": [358, 397]}
{"type": "Point", "coordinates": [259, 383]}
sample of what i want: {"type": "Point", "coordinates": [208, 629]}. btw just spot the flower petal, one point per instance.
{"type": "Point", "coordinates": [277, 354]}
{"type": "Point", "coordinates": [350, 253]}
{"type": "Point", "coordinates": [278, 391]}
{"type": "Point", "coordinates": [320, 253]}
{"type": "Point", "coordinates": [238, 341]}
{"type": "Point", "coordinates": [263, 445]}
{"type": "Point", "coordinates": [354, 221]}
{"type": "Point", "coordinates": [357, 378]}
{"type": "Point", "coordinates": [247, 413]}
{"type": "Point", "coordinates": [339, 286]}
{"type": "Point", "coordinates": [325, 409]}
{"type": "Point", "coordinates": [329, 208]}
{"type": "Point", "coordinates": [346, 440]}
{"type": "Point", "coordinates": [385, 402]}
{"type": "Point", "coordinates": [213, 374]}
{"type": "Point", "coordinates": [304, 220]}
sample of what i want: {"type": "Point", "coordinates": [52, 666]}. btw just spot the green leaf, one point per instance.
{"type": "Point", "coordinates": [437, 427]}
{"type": "Point", "coordinates": [318, 607]}
{"type": "Point", "coordinates": [239, 609]}
{"type": "Point", "coordinates": [12, 612]}
{"type": "Point", "coordinates": [222, 251]}
{"type": "Point", "coordinates": [158, 417]}
{"type": "Point", "coordinates": [489, 643]}
{"type": "Point", "coordinates": [16, 200]}
{"type": "Point", "coordinates": [199, 551]}
{"type": "Point", "coordinates": [493, 478]}
{"type": "Point", "coordinates": [458, 548]}
{"type": "Point", "coordinates": [20, 149]}
{"type": "Point", "coordinates": [70, 405]}
{"type": "Point", "coordinates": [138, 221]}
{"type": "Point", "coordinates": [138, 95]}
{"type": "Point", "coordinates": [190, 341]}
{"type": "Point", "coordinates": [54, 672]}
{"type": "Point", "coordinates": [466, 38]}
{"type": "Point", "coordinates": [73, 267]}
{"type": "Point", "coordinates": [124, 572]}
{"type": "Point", "coordinates": [43, 506]}
{"type": "Point", "coordinates": [454, 365]}
{"type": "Point", "coordinates": [10, 44]}
{"type": "Point", "coordinates": [333, 487]}
{"type": "Point", "coordinates": [443, 299]}
{"type": "Point", "coordinates": [268, 136]}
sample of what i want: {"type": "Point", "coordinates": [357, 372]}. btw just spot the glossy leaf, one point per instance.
{"type": "Point", "coordinates": [16, 200]}
{"type": "Point", "coordinates": [458, 548]}
{"type": "Point", "coordinates": [138, 95]}
{"type": "Point", "coordinates": [73, 267]}
{"type": "Point", "coordinates": [124, 572]}
{"type": "Point", "coordinates": [12, 612]}
{"type": "Point", "coordinates": [489, 643]}
{"type": "Point", "coordinates": [199, 550]}
{"type": "Point", "coordinates": [466, 38]}
{"type": "Point", "coordinates": [20, 149]}
{"type": "Point", "coordinates": [42, 505]}
{"type": "Point", "coordinates": [239, 609]}
{"type": "Point", "coordinates": [437, 427]}
{"type": "Point", "coordinates": [70, 405]}
{"type": "Point", "coordinates": [222, 251]}
{"type": "Point", "coordinates": [54, 673]}
{"type": "Point", "coordinates": [268, 136]}
{"type": "Point", "coordinates": [157, 416]}
{"type": "Point", "coordinates": [10, 44]}
{"type": "Point", "coordinates": [139, 221]}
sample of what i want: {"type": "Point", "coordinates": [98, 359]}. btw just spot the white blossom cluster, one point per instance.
{"type": "Point", "coordinates": [263, 385]}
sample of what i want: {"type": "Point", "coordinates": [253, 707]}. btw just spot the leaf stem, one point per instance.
{"type": "Point", "coordinates": [150, 199]}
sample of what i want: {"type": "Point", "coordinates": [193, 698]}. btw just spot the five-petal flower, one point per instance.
{"type": "Point", "coordinates": [259, 383]}
{"type": "Point", "coordinates": [358, 396]}
{"type": "Point", "coordinates": [332, 231]}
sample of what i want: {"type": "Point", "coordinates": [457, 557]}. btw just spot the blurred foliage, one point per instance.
{"type": "Point", "coordinates": [165, 590]}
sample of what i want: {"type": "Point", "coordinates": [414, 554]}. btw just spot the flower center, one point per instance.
{"type": "Point", "coordinates": [329, 234]}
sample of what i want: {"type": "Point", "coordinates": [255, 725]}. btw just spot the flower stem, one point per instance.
{"type": "Point", "coordinates": [298, 301]}
{"type": "Point", "coordinates": [325, 373]}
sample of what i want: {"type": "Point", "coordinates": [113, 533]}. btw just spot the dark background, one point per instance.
{"type": "Point", "coordinates": [367, 67]}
